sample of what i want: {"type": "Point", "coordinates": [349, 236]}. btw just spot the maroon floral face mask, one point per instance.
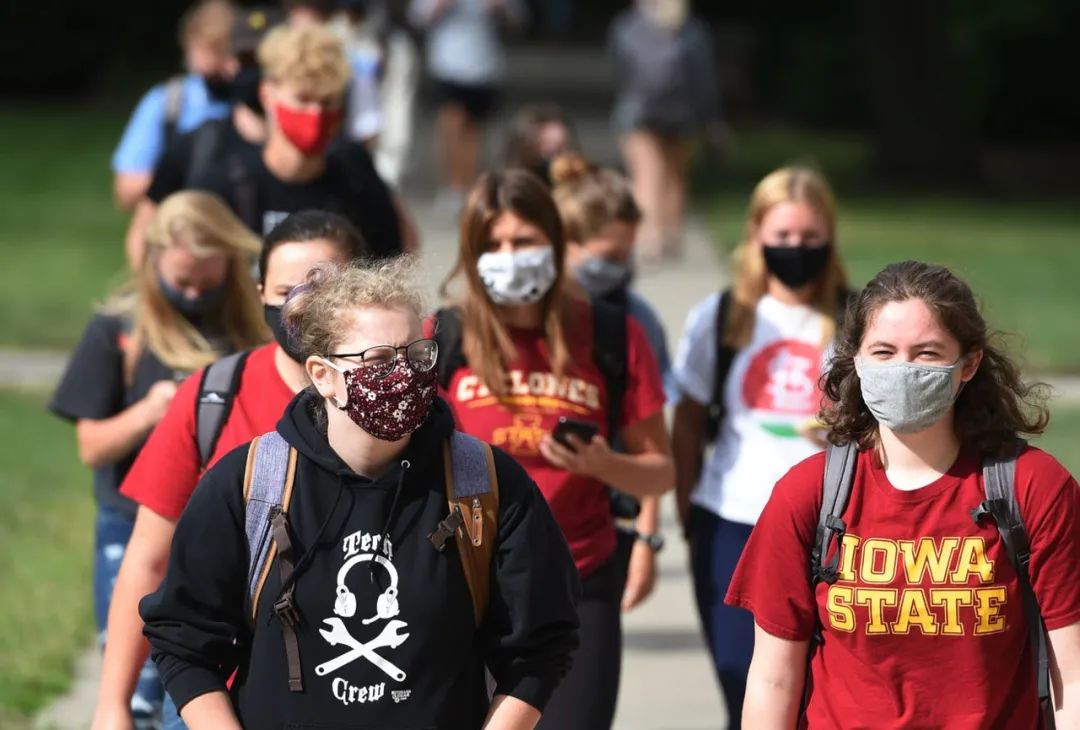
{"type": "Point", "coordinates": [390, 407]}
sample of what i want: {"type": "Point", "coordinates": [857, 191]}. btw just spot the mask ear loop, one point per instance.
{"type": "Point", "coordinates": [334, 398]}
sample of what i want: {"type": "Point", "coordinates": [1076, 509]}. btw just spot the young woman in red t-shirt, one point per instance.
{"type": "Point", "coordinates": [164, 475]}
{"type": "Point", "coordinates": [925, 624]}
{"type": "Point", "coordinates": [528, 343]}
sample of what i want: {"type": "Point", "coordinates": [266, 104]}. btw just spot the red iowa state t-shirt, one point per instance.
{"type": "Point", "coordinates": [167, 469]}
{"type": "Point", "coordinates": [537, 398]}
{"type": "Point", "coordinates": [925, 626]}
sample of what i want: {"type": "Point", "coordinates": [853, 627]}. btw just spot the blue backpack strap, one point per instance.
{"type": "Point", "coordinates": [999, 485]}
{"type": "Point", "coordinates": [472, 491]}
{"type": "Point", "coordinates": [268, 483]}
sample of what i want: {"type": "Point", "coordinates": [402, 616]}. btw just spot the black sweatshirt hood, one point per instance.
{"type": "Point", "coordinates": [304, 432]}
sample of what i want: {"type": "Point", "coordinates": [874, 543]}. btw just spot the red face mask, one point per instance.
{"type": "Point", "coordinates": [310, 131]}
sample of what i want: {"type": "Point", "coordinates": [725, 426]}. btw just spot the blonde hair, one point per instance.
{"type": "Point", "coordinates": [201, 224]}
{"type": "Point", "coordinates": [319, 311]}
{"type": "Point", "coordinates": [589, 197]}
{"type": "Point", "coordinates": [310, 57]}
{"type": "Point", "coordinates": [786, 185]}
{"type": "Point", "coordinates": [210, 22]}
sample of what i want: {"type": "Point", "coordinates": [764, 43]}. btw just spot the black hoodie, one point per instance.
{"type": "Point", "coordinates": [196, 620]}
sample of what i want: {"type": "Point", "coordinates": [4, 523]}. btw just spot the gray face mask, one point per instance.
{"type": "Point", "coordinates": [599, 276]}
{"type": "Point", "coordinates": [907, 397]}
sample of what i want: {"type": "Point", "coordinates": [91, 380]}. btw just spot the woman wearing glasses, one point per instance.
{"type": "Point", "coordinates": [383, 620]}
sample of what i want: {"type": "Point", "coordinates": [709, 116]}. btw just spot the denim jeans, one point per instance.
{"type": "Point", "coordinates": [112, 533]}
{"type": "Point", "coordinates": [170, 717]}
{"type": "Point", "coordinates": [715, 547]}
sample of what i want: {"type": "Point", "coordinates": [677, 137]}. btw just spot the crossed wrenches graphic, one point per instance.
{"type": "Point", "coordinates": [390, 636]}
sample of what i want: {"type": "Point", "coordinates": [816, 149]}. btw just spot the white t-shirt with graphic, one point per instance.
{"type": "Point", "coordinates": [770, 393]}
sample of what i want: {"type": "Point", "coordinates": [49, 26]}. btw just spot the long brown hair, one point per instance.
{"type": "Point", "coordinates": [486, 342]}
{"type": "Point", "coordinates": [994, 408]}
{"type": "Point", "coordinates": [200, 223]}
{"type": "Point", "coordinates": [751, 278]}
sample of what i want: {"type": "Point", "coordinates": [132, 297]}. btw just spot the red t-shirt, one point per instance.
{"type": "Point", "coordinates": [537, 398]}
{"type": "Point", "coordinates": [925, 626]}
{"type": "Point", "coordinates": [167, 469]}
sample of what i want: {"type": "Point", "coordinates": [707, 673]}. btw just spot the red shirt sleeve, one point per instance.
{"type": "Point", "coordinates": [644, 395]}
{"type": "Point", "coordinates": [167, 469]}
{"type": "Point", "coordinates": [1049, 500]}
{"type": "Point", "coordinates": [772, 579]}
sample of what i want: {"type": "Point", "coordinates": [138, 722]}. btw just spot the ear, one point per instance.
{"type": "Point", "coordinates": [971, 366]}
{"type": "Point", "coordinates": [322, 376]}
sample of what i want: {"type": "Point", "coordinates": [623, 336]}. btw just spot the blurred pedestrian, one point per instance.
{"type": "Point", "coordinates": [191, 302]}
{"type": "Point", "coordinates": [304, 74]}
{"type": "Point", "coordinates": [529, 364]}
{"type": "Point", "coordinates": [666, 95]}
{"type": "Point", "coordinates": [465, 60]}
{"type": "Point", "coordinates": [748, 366]}
{"type": "Point", "coordinates": [180, 104]}
{"type": "Point", "coordinates": [256, 388]}
{"type": "Point", "coordinates": [375, 456]}
{"type": "Point", "coordinates": [600, 219]}
{"type": "Point", "coordinates": [538, 134]}
{"type": "Point", "coordinates": [932, 553]}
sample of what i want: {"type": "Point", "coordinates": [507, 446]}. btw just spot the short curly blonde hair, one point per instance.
{"type": "Point", "coordinates": [318, 313]}
{"type": "Point", "coordinates": [309, 57]}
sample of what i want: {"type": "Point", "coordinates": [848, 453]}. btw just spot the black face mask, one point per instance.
{"type": "Point", "coordinates": [244, 89]}
{"type": "Point", "coordinates": [796, 266]}
{"type": "Point", "coordinates": [272, 314]}
{"type": "Point", "coordinates": [218, 87]}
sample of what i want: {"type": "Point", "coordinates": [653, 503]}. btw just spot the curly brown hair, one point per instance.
{"type": "Point", "coordinates": [993, 409]}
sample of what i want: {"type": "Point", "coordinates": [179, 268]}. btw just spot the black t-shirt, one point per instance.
{"type": "Point", "coordinates": [93, 387]}
{"type": "Point", "coordinates": [188, 157]}
{"type": "Point", "coordinates": [350, 186]}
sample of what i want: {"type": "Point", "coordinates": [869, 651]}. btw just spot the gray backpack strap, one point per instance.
{"type": "Point", "coordinates": [216, 393]}
{"type": "Point", "coordinates": [268, 481]}
{"type": "Point", "coordinates": [469, 462]}
{"type": "Point", "coordinates": [835, 490]}
{"type": "Point", "coordinates": [174, 101]}
{"type": "Point", "coordinates": [999, 484]}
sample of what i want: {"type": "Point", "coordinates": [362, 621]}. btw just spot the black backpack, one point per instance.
{"type": "Point", "coordinates": [609, 328]}
{"type": "Point", "coordinates": [217, 391]}
{"type": "Point", "coordinates": [999, 482]}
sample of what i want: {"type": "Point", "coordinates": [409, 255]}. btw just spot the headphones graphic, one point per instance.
{"type": "Point", "coordinates": [386, 606]}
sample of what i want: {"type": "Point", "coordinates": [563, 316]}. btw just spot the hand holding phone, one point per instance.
{"type": "Point", "coordinates": [583, 430]}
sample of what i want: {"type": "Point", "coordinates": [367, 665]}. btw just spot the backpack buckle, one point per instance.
{"type": "Point", "coordinates": [285, 610]}
{"type": "Point", "coordinates": [446, 529]}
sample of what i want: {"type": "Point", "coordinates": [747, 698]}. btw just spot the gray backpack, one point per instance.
{"type": "Point", "coordinates": [472, 490]}
{"type": "Point", "coordinates": [999, 482]}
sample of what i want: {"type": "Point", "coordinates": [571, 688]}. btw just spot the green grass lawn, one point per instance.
{"type": "Point", "coordinates": [1021, 258]}
{"type": "Point", "coordinates": [46, 546]}
{"type": "Point", "coordinates": [62, 240]}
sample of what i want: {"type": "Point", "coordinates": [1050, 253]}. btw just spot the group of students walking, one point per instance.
{"type": "Point", "coordinates": [348, 510]}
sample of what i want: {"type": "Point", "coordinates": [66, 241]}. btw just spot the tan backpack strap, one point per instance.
{"type": "Point", "coordinates": [476, 504]}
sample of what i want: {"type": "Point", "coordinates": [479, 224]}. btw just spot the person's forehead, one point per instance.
{"type": "Point", "coordinates": [910, 320]}
{"type": "Point", "coordinates": [509, 224]}
{"type": "Point", "coordinates": [792, 213]}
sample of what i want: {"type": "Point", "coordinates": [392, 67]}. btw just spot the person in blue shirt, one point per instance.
{"type": "Point", "coordinates": [179, 104]}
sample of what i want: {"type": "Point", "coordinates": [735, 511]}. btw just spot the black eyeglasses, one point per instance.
{"type": "Point", "coordinates": [421, 356]}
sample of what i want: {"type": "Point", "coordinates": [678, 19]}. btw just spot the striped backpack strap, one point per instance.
{"type": "Point", "coordinates": [472, 490]}
{"type": "Point", "coordinates": [268, 484]}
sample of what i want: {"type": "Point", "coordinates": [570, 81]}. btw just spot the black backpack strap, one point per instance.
{"type": "Point", "coordinates": [999, 483]}
{"type": "Point", "coordinates": [245, 194]}
{"type": "Point", "coordinates": [448, 336]}
{"type": "Point", "coordinates": [217, 391]}
{"type": "Point", "coordinates": [609, 338]}
{"type": "Point", "coordinates": [724, 357]}
{"type": "Point", "coordinates": [205, 147]}
{"type": "Point", "coordinates": [610, 354]}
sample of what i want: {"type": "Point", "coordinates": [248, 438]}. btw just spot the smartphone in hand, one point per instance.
{"type": "Point", "coordinates": [582, 429]}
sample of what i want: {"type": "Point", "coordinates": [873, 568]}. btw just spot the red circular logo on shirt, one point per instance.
{"type": "Point", "coordinates": [783, 377]}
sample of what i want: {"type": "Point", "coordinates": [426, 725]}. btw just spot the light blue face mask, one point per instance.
{"type": "Point", "coordinates": [907, 397]}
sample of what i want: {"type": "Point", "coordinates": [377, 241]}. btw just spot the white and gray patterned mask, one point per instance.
{"type": "Point", "coordinates": [518, 277]}
{"type": "Point", "coordinates": [907, 397]}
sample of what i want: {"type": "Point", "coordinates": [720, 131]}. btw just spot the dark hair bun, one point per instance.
{"type": "Point", "coordinates": [569, 167]}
